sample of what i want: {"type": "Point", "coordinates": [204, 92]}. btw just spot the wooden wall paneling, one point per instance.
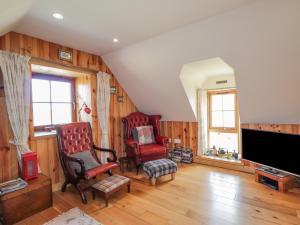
{"type": "Point", "coordinates": [285, 128]}
{"type": "Point", "coordinates": [119, 110]}
{"type": "Point", "coordinates": [194, 137]}
{"type": "Point", "coordinates": [55, 169]}
{"type": "Point", "coordinates": [95, 125]}
{"type": "Point", "coordinates": [46, 149]}
{"type": "Point", "coordinates": [83, 95]}
{"type": "Point", "coordinates": [113, 113]}
{"type": "Point", "coordinates": [45, 52]}
{"type": "Point", "coordinates": [8, 156]}
{"type": "Point", "coordinates": [187, 132]}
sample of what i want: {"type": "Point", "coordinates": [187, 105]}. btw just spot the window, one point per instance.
{"type": "Point", "coordinates": [52, 100]}
{"type": "Point", "coordinates": [223, 123]}
{"type": "Point", "coordinates": [223, 110]}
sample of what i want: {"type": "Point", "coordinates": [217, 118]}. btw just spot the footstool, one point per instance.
{"type": "Point", "coordinates": [157, 168]}
{"type": "Point", "coordinates": [110, 185]}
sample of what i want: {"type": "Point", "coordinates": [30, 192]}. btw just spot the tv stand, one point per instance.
{"type": "Point", "coordinates": [274, 179]}
{"type": "Point", "coordinates": [270, 170]}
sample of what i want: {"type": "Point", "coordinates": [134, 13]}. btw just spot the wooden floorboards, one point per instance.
{"type": "Point", "coordinates": [198, 195]}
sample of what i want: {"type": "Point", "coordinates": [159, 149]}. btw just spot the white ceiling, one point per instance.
{"type": "Point", "coordinates": [11, 11]}
{"type": "Point", "coordinates": [198, 72]}
{"type": "Point", "coordinates": [91, 25]}
{"type": "Point", "coordinates": [260, 41]}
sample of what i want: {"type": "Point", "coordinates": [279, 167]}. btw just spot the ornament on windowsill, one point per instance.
{"type": "Point", "coordinates": [85, 108]}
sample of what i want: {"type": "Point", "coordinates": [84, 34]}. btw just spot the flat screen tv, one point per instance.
{"type": "Point", "coordinates": [276, 150]}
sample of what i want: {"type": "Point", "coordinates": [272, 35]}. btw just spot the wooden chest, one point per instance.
{"type": "Point", "coordinates": [26, 202]}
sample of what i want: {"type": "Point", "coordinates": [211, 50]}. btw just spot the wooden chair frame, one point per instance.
{"type": "Point", "coordinates": [77, 177]}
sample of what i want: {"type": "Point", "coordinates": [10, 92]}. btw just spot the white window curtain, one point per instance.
{"type": "Point", "coordinates": [202, 122]}
{"type": "Point", "coordinates": [16, 78]}
{"type": "Point", "coordinates": [103, 102]}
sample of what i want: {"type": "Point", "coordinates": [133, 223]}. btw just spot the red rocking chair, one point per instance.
{"type": "Point", "coordinates": [78, 156]}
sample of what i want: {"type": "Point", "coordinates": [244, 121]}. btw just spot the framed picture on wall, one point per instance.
{"type": "Point", "coordinates": [113, 89]}
{"type": "Point", "coordinates": [65, 55]}
{"type": "Point", "coordinates": [120, 98]}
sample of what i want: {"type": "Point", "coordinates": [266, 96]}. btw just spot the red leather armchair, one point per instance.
{"type": "Point", "coordinates": [77, 154]}
{"type": "Point", "coordinates": [143, 153]}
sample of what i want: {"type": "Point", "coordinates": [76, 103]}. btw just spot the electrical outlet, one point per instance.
{"type": "Point", "coordinates": [177, 141]}
{"type": "Point", "coordinates": [170, 140]}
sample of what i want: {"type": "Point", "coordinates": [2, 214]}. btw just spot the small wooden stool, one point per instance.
{"type": "Point", "coordinates": [110, 185]}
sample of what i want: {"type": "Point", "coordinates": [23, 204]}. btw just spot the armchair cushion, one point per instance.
{"type": "Point", "coordinates": [143, 134]}
{"type": "Point", "coordinates": [152, 152]}
{"type": "Point", "coordinates": [89, 161]}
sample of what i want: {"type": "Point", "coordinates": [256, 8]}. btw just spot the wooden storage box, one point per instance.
{"type": "Point", "coordinates": [26, 202]}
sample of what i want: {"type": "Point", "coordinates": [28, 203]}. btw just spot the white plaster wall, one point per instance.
{"type": "Point", "coordinates": [211, 82]}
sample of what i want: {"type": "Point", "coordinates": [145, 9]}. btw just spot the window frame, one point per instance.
{"type": "Point", "coordinates": [50, 77]}
{"type": "Point", "coordinates": [234, 129]}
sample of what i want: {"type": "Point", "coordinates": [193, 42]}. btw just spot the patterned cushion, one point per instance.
{"type": "Point", "coordinates": [110, 183]}
{"type": "Point", "coordinates": [160, 167]}
{"type": "Point", "coordinates": [144, 135]}
{"type": "Point", "coordinates": [89, 161]}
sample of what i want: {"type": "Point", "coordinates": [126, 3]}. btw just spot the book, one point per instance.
{"type": "Point", "coordinates": [12, 185]}
{"type": "Point", "coordinates": [184, 155]}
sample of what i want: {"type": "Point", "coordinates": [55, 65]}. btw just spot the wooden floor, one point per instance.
{"type": "Point", "coordinates": [198, 195]}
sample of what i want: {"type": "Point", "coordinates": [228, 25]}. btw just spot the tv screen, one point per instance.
{"type": "Point", "coordinates": [278, 150]}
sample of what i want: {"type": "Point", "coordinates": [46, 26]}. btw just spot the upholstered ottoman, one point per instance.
{"type": "Point", "coordinates": [157, 168]}
{"type": "Point", "coordinates": [109, 185]}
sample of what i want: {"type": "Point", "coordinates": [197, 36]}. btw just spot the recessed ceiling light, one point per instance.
{"type": "Point", "coordinates": [116, 40]}
{"type": "Point", "coordinates": [58, 16]}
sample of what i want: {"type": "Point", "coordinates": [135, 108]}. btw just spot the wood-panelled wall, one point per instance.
{"type": "Point", "coordinates": [284, 128]}
{"type": "Point", "coordinates": [187, 132]}
{"type": "Point", "coordinates": [44, 52]}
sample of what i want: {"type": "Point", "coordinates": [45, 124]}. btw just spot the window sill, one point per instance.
{"type": "Point", "coordinates": [216, 158]}
{"type": "Point", "coordinates": [41, 134]}
{"type": "Point", "coordinates": [223, 163]}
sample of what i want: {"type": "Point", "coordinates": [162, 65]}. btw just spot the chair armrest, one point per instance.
{"type": "Point", "coordinates": [68, 158]}
{"type": "Point", "coordinates": [112, 151]}
{"type": "Point", "coordinates": [132, 143]}
{"type": "Point", "coordinates": [163, 140]}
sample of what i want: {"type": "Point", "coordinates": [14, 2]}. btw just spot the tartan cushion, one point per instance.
{"type": "Point", "coordinates": [160, 167]}
{"type": "Point", "coordinates": [89, 161]}
{"type": "Point", "coordinates": [110, 183]}
{"type": "Point", "coordinates": [144, 135]}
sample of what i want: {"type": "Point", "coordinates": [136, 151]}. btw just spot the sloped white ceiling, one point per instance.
{"type": "Point", "coordinates": [11, 12]}
{"type": "Point", "coordinates": [260, 41]}
{"type": "Point", "coordinates": [91, 25]}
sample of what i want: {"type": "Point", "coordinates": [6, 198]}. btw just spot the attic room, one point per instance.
{"type": "Point", "coordinates": [113, 116]}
